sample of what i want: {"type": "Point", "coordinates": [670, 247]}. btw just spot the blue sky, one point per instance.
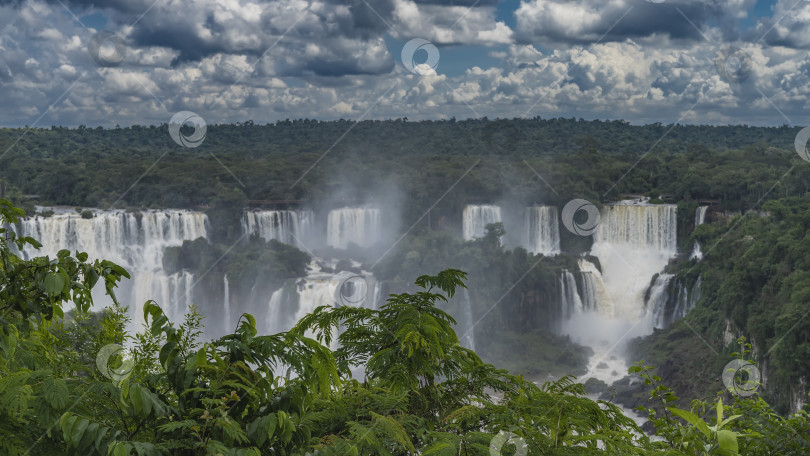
{"type": "Point", "coordinates": [718, 61]}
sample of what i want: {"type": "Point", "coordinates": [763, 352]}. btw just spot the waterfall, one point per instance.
{"type": "Point", "coordinates": [633, 242]}
{"type": "Point", "coordinates": [639, 226]}
{"type": "Point", "coordinates": [594, 297]}
{"type": "Point", "coordinates": [542, 230]}
{"type": "Point", "coordinates": [134, 240]}
{"type": "Point", "coordinates": [686, 299]}
{"type": "Point", "coordinates": [477, 217]}
{"type": "Point", "coordinates": [226, 304]}
{"type": "Point", "coordinates": [361, 226]}
{"type": "Point", "coordinates": [466, 328]}
{"type": "Point", "coordinates": [569, 296]}
{"type": "Point", "coordinates": [173, 292]}
{"type": "Point", "coordinates": [289, 227]}
{"type": "Point", "coordinates": [324, 289]}
{"type": "Point", "coordinates": [589, 295]}
{"type": "Point", "coordinates": [377, 296]}
{"type": "Point", "coordinates": [700, 219]}
{"type": "Point", "coordinates": [670, 300]}
{"type": "Point", "coordinates": [275, 319]}
{"type": "Point", "coordinates": [700, 215]}
{"type": "Point", "coordinates": [659, 297]}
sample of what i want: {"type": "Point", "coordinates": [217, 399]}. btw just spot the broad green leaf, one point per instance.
{"type": "Point", "coordinates": [692, 419]}
{"type": "Point", "coordinates": [135, 398]}
{"type": "Point", "coordinates": [719, 412]}
{"type": "Point", "coordinates": [77, 431]}
{"type": "Point", "coordinates": [728, 420]}
{"type": "Point", "coordinates": [727, 440]}
{"type": "Point", "coordinates": [54, 283]}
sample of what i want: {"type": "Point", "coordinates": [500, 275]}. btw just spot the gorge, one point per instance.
{"type": "Point", "coordinates": [617, 292]}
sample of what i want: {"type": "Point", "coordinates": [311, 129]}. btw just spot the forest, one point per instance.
{"type": "Point", "coordinates": [421, 392]}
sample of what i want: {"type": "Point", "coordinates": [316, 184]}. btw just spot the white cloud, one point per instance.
{"type": "Point", "coordinates": [231, 61]}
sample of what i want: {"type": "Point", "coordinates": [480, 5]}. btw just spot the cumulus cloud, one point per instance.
{"type": "Point", "coordinates": [789, 26]}
{"type": "Point", "coordinates": [584, 21]}
{"type": "Point", "coordinates": [233, 60]}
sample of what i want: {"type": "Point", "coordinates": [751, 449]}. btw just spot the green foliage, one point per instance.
{"type": "Point", "coordinates": [289, 394]}
{"type": "Point", "coordinates": [756, 282]}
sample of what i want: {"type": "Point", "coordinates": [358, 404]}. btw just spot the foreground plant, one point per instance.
{"type": "Point", "coordinates": [288, 394]}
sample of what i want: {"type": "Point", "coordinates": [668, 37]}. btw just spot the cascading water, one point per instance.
{"type": "Point", "coordinates": [633, 242]}
{"type": "Point", "coordinates": [542, 230]}
{"type": "Point", "coordinates": [299, 297]}
{"type": "Point", "coordinates": [700, 215]}
{"type": "Point", "coordinates": [670, 300]}
{"type": "Point", "coordinates": [593, 288]}
{"type": "Point", "coordinates": [466, 329]}
{"type": "Point", "coordinates": [289, 227]}
{"type": "Point", "coordinates": [659, 296]}
{"type": "Point", "coordinates": [226, 304]}
{"type": "Point", "coordinates": [361, 226]}
{"type": "Point", "coordinates": [276, 318]}
{"type": "Point", "coordinates": [173, 292]}
{"type": "Point", "coordinates": [476, 218]}
{"type": "Point", "coordinates": [377, 296]}
{"type": "Point", "coordinates": [570, 302]}
{"type": "Point", "coordinates": [134, 240]}
{"type": "Point", "coordinates": [700, 219]}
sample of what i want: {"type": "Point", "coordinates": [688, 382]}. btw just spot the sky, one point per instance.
{"type": "Point", "coordinates": [125, 62]}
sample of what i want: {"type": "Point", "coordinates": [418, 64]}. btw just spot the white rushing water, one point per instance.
{"type": "Point", "coordinates": [670, 300]}
{"type": "Point", "coordinates": [542, 230]}
{"type": "Point", "coordinates": [289, 227]}
{"type": "Point", "coordinates": [358, 225]}
{"type": "Point", "coordinates": [700, 219]}
{"type": "Point", "coordinates": [465, 328]}
{"type": "Point", "coordinates": [659, 297]}
{"type": "Point", "coordinates": [592, 286]}
{"type": "Point", "coordinates": [275, 318]}
{"type": "Point", "coordinates": [317, 289]}
{"type": "Point", "coordinates": [134, 240]}
{"type": "Point", "coordinates": [633, 242]}
{"type": "Point", "coordinates": [477, 217]}
{"type": "Point", "coordinates": [570, 300]}
{"type": "Point", "coordinates": [226, 305]}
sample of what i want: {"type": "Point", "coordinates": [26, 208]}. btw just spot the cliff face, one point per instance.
{"type": "Point", "coordinates": [693, 365]}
